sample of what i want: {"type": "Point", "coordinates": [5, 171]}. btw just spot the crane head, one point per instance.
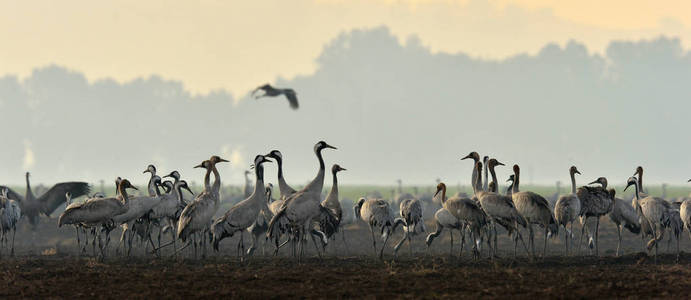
{"type": "Point", "coordinates": [474, 155]}
{"type": "Point", "coordinates": [336, 168]}
{"type": "Point", "coordinates": [631, 181]}
{"type": "Point", "coordinates": [150, 169]}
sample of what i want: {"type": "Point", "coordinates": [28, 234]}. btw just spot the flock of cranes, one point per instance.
{"type": "Point", "coordinates": [298, 215]}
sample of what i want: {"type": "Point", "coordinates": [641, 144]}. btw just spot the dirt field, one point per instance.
{"type": "Point", "coordinates": [630, 276]}
{"type": "Point", "coordinates": [48, 264]}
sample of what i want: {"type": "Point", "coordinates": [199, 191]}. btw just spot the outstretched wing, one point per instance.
{"type": "Point", "coordinates": [56, 195]}
{"type": "Point", "coordinates": [12, 194]}
{"type": "Point", "coordinates": [261, 88]}
{"type": "Point", "coordinates": [292, 98]}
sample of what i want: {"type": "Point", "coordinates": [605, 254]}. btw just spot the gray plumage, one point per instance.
{"type": "Point", "coordinates": [243, 214]}
{"type": "Point", "coordinates": [270, 91]}
{"type": "Point", "coordinates": [595, 202]}
{"type": "Point", "coordinates": [567, 208]}
{"type": "Point", "coordinates": [377, 213]}
{"type": "Point", "coordinates": [535, 210]}
{"type": "Point", "coordinates": [623, 216]}
{"type": "Point", "coordinates": [32, 206]}
{"type": "Point", "coordinates": [411, 212]}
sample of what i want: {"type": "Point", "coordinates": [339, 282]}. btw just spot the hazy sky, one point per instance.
{"type": "Point", "coordinates": [235, 45]}
{"type": "Point", "coordinates": [403, 88]}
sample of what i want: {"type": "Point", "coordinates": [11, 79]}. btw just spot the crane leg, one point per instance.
{"type": "Point", "coordinates": [580, 240]}
{"type": "Point", "coordinates": [531, 236]}
{"type": "Point", "coordinates": [495, 250]}
{"type": "Point", "coordinates": [619, 236]}
{"type": "Point", "coordinates": [399, 244]}
{"type": "Point", "coordinates": [544, 247]}
{"type": "Point", "coordinates": [344, 241]}
{"type": "Point", "coordinates": [79, 243]}
{"type": "Point", "coordinates": [677, 236]}
{"type": "Point", "coordinates": [462, 231]}
{"type": "Point", "coordinates": [381, 252]}
{"type": "Point", "coordinates": [410, 245]}
{"type": "Point", "coordinates": [374, 241]}
{"type": "Point", "coordinates": [451, 244]}
{"type": "Point", "coordinates": [597, 236]}
{"type": "Point", "coordinates": [14, 232]}
{"type": "Point", "coordinates": [316, 247]}
{"type": "Point", "coordinates": [566, 242]}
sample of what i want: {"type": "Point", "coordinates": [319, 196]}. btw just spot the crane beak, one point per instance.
{"type": "Point", "coordinates": [199, 166]}
{"type": "Point", "coordinates": [146, 171]}
{"type": "Point", "coordinates": [466, 157]}
{"type": "Point", "coordinates": [579, 173]}
{"type": "Point", "coordinates": [265, 160]}
{"type": "Point", "coordinates": [627, 186]}
{"type": "Point", "coordinates": [222, 160]}
{"type": "Point", "coordinates": [188, 189]}
{"type": "Point", "coordinates": [330, 147]}
{"type": "Point", "coordinates": [344, 169]}
{"type": "Point", "coordinates": [594, 182]}
{"type": "Point", "coordinates": [500, 164]}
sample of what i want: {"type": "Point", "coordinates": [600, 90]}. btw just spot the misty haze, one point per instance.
{"type": "Point", "coordinates": [393, 108]}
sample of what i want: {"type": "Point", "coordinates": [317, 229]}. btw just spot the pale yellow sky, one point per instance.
{"type": "Point", "coordinates": [236, 45]}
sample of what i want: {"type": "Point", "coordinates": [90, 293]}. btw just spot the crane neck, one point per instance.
{"type": "Point", "coordinates": [153, 190]}
{"type": "Point", "coordinates": [122, 191]}
{"type": "Point", "coordinates": [509, 189]}
{"type": "Point", "coordinates": [217, 180]}
{"type": "Point", "coordinates": [478, 183]}
{"type": "Point", "coordinates": [494, 179]}
{"type": "Point", "coordinates": [473, 176]}
{"type": "Point", "coordinates": [259, 188]}
{"type": "Point", "coordinates": [29, 193]}
{"type": "Point", "coordinates": [640, 180]}
{"type": "Point", "coordinates": [516, 182]}
{"type": "Point", "coordinates": [443, 194]}
{"type": "Point", "coordinates": [207, 178]}
{"type": "Point", "coordinates": [485, 182]}
{"type": "Point", "coordinates": [178, 192]}
{"type": "Point", "coordinates": [573, 183]}
{"type": "Point", "coordinates": [279, 162]}
{"type": "Point", "coordinates": [334, 186]}
{"type": "Point", "coordinates": [318, 182]}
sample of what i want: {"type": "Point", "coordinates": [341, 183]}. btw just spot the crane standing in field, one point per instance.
{"type": "Point", "coordinates": [243, 214]}
{"type": "Point", "coordinates": [411, 212]}
{"type": "Point", "coordinates": [99, 212]}
{"type": "Point", "coordinates": [444, 219]}
{"type": "Point", "coordinates": [623, 216]}
{"type": "Point", "coordinates": [567, 207]}
{"type": "Point", "coordinates": [595, 203]}
{"type": "Point", "coordinates": [304, 207]}
{"type": "Point", "coordinates": [334, 205]}
{"type": "Point", "coordinates": [9, 216]}
{"type": "Point", "coordinates": [32, 206]}
{"type": "Point", "coordinates": [535, 209]}
{"type": "Point", "coordinates": [377, 213]}
{"type": "Point", "coordinates": [655, 211]}
{"type": "Point", "coordinates": [468, 214]}
{"type": "Point", "coordinates": [197, 216]}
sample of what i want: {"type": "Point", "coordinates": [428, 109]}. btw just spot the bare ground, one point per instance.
{"type": "Point", "coordinates": [48, 265]}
